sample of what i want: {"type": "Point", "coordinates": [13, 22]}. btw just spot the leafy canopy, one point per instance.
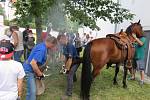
{"type": "Point", "coordinates": [85, 12]}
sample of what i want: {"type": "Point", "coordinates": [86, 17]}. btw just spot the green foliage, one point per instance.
{"type": "Point", "coordinates": [61, 13]}
{"type": "Point", "coordinates": [6, 22]}
{"type": "Point", "coordinates": [1, 10]}
{"type": "Point", "coordinates": [32, 8]}
{"type": "Point", "coordinates": [85, 12]}
{"type": "Point", "coordinates": [28, 10]}
{"type": "Point", "coordinates": [88, 11]}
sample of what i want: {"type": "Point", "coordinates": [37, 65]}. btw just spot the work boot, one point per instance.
{"type": "Point", "coordinates": [69, 94]}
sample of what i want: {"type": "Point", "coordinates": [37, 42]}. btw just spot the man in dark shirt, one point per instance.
{"type": "Point", "coordinates": [71, 55]}
{"type": "Point", "coordinates": [25, 39]}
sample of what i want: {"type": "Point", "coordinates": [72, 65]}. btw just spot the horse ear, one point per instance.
{"type": "Point", "coordinates": [139, 22]}
{"type": "Point", "coordinates": [121, 30]}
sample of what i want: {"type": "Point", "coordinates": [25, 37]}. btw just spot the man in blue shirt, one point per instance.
{"type": "Point", "coordinates": [71, 56]}
{"type": "Point", "coordinates": [37, 58]}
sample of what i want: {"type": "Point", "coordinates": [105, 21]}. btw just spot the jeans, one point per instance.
{"type": "Point", "coordinates": [17, 55]}
{"type": "Point", "coordinates": [31, 86]}
{"type": "Point", "coordinates": [70, 76]}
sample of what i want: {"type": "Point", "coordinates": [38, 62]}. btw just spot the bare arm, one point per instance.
{"type": "Point", "coordinates": [20, 85]}
{"type": "Point", "coordinates": [68, 63]}
{"type": "Point", "coordinates": [16, 39]}
{"type": "Point", "coordinates": [139, 41]}
{"type": "Point", "coordinates": [36, 68]}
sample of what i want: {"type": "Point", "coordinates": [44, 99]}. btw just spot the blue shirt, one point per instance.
{"type": "Point", "coordinates": [70, 51]}
{"type": "Point", "coordinates": [38, 53]}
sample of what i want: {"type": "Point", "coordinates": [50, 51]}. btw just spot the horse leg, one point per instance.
{"type": "Point", "coordinates": [96, 71]}
{"type": "Point", "coordinates": [108, 65]}
{"type": "Point", "coordinates": [97, 68]}
{"type": "Point", "coordinates": [125, 76]}
{"type": "Point", "coordinates": [116, 73]}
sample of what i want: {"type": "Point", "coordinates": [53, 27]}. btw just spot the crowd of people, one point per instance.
{"type": "Point", "coordinates": [18, 49]}
{"type": "Point", "coordinates": [15, 43]}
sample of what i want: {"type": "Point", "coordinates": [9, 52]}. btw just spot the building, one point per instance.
{"type": "Point", "coordinates": [9, 10]}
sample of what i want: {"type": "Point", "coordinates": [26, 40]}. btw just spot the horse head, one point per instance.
{"type": "Point", "coordinates": [134, 28]}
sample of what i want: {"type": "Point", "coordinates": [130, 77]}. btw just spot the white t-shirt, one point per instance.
{"type": "Point", "coordinates": [20, 41]}
{"type": "Point", "coordinates": [10, 71]}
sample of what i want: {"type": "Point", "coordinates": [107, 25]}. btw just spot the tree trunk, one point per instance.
{"type": "Point", "coordinates": [38, 24]}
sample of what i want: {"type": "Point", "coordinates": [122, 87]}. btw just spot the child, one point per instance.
{"type": "Point", "coordinates": [11, 72]}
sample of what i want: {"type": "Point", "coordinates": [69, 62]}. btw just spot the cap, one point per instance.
{"type": "Point", "coordinates": [6, 49]}
{"type": "Point", "coordinates": [4, 37]}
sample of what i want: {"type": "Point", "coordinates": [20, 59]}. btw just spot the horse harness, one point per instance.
{"type": "Point", "coordinates": [125, 45]}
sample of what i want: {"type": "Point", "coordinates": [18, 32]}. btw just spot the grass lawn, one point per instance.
{"type": "Point", "coordinates": [102, 88]}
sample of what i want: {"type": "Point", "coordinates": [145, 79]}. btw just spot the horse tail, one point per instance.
{"type": "Point", "coordinates": [86, 75]}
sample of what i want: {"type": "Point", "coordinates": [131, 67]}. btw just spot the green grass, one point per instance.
{"type": "Point", "coordinates": [102, 88]}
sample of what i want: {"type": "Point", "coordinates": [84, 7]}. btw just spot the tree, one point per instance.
{"type": "Point", "coordinates": [84, 12]}
{"type": "Point", "coordinates": [1, 10]}
{"type": "Point", "coordinates": [87, 12]}
{"type": "Point", "coordinates": [27, 10]}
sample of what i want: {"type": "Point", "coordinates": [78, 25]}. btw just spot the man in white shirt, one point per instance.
{"type": "Point", "coordinates": [19, 46]}
{"type": "Point", "coordinates": [11, 72]}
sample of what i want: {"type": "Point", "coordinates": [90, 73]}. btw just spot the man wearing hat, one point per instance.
{"type": "Point", "coordinates": [37, 58]}
{"type": "Point", "coordinates": [11, 72]}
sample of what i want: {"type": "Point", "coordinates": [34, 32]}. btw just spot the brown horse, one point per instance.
{"type": "Point", "coordinates": [102, 51]}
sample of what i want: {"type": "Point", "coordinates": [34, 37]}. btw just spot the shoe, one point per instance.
{"type": "Point", "coordinates": [141, 83]}
{"type": "Point", "coordinates": [68, 94]}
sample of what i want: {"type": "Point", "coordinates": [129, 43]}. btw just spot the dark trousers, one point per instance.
{"type": "Point", "coordinates": [70, 77]}
{"type": "Point", "coordinates": [17, 55]}
{"type": "Point", "coordinates": [79, 50]}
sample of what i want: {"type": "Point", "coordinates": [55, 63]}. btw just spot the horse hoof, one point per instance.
{"type": "Point", "coordinates": [115, 83]}
{"type": "Point", "coordinates": [124, 86]}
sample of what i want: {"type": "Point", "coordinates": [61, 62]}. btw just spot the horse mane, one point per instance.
{"type": "Point", "coordinates": [129, 30]}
